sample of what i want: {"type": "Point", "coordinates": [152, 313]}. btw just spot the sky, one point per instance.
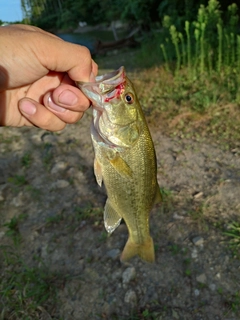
{"type": "Point", "coordinates": [10, 10]}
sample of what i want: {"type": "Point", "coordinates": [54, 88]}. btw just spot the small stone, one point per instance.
{"type": "Point", "coordinates": [177, 217]}
{"type": "Point", "coordinates": [198, 241]}
{"type": "Point", "coordinates": [113, 254]}
{"type": "Point", "coordinates": [36, 138]}
{"type": "Point", "coordinates": [218, 275]}
{"type": "Point", "coordinates": [201, 278]}
{"type": "Point", "coordinates": [194, 253]}
{"type": "Point", "coordinates": [128, 275]}
{"type": "Point", "coordinates": [175, 314]}
{"type": "Point", "coordinates": [198, 195]}
{"type": "Point", "coordinates": [18, 200]}
{"type": "Point", "coordinates": [60, 184]}
{"type": "Point", "coordinates": [196, 292]}
{"type": "Point", "coordinates": [33, 235]}
{"type": "Point", "coordinates": [49, 138]}
{"type": "Point", "coordinates": [130, 297]}
{"type": "Point", "coordinates": [116, 275]}
{"type": "Point", "coordinates": [212, 287]}
{"type": "Point", "coordinates": [59, 167]}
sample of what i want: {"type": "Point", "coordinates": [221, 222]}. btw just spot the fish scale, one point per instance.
{"type": "Point", "coordinates": [125, 160]}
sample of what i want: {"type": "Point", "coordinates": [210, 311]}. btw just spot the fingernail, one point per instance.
{"type": "Point", "coordinates": [54, 106]}
{"type": "Point", "coordinates": [68, 98]}
{"type": "Point", "coordinates": [27, 107]}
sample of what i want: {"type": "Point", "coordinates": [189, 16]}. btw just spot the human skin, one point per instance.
{"type": "Point", "coordinates": [38, 71]}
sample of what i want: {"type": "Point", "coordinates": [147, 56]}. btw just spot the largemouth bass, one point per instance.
{"type": "Point", "coordinates": [124, 159]}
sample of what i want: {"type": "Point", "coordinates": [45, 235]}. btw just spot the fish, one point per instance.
{"type": "Point", "coordinates": [125, 160]}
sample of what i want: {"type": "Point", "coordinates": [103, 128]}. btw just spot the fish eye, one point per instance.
{"type": "Point", "coordinates": [129, 98]}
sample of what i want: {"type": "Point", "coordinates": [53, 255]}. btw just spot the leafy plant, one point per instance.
{"type": "Point", "coordinates": [13, 228]}
{"type": "Point", "coordinates": [26, 160]}
{"type": "Point", "coordinates": [208, 49]}
{"type": "Point", "coordinates": [234, 234]}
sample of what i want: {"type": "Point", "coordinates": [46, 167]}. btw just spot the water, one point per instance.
{"type": "Point", "coordinates": [89, 39]}
{"type": "Point", "coordinates": [80, 38]}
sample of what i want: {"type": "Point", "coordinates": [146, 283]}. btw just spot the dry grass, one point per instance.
{"type": "Point", "coordinates": [182, 108]}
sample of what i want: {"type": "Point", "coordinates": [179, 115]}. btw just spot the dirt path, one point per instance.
{"type": "Point", "coordinates": [48, 178]}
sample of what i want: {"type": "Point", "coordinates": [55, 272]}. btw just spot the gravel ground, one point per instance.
{"type": "Point", "coordinates": [49, 179]}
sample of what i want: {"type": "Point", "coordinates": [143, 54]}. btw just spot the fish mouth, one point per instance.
{"type": "Point", "coordinates": [102, 90]}
{"type": "Point", "coordinates": [106, 82]}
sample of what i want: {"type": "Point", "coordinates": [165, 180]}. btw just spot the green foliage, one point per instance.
{"type": "Point", "coordinates": [26, 160]}
{"type": "Point", "coordinates": [175, 249]}
{"type": "Point", "coordinates": [234, 234]}
{"type": "Point", "coordinates": [13, 228]}
{"type": "Point", "coordinates": [66, 14]}
{"type": "Point", "coordinates": [209, 48]}
{"type": "Point", "coordinates": [207, 39]}
{"type": "Point", "coordinates": [49, 14]}
{"type": "Point", "coordinates": [24, 290]}
{"type": "Point", "coordinates": [18, 180]}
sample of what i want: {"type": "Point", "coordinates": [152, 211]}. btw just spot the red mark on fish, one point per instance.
{"type": "Point", "coordinates": [116, 93]}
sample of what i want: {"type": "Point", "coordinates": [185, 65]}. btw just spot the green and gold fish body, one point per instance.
{"type": "Point", "coordinates": [124, 160]}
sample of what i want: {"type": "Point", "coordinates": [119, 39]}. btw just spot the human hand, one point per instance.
{"type": "Point", "coordinates": [37, 78]}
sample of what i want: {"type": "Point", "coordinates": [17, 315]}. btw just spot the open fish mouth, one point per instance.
{"type": "Point", "coordinates": [105, 88]}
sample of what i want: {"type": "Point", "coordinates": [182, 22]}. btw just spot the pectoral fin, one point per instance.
{"type": "Point", "coordinates": [121, 167]}
{"type": "Point", "coordinates": [98, 172]}
{"type": "Point", "coordinates": [111, 218]}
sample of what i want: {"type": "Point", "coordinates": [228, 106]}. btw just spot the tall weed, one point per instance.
{"type": "Point", "coordinates": [207, 48]}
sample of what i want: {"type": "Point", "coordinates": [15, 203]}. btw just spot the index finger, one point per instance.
{"type": "Point", "coordinates": [61, 56]}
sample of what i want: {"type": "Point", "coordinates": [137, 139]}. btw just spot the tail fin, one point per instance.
{"type": "Point", "coordinates": [145, 250]}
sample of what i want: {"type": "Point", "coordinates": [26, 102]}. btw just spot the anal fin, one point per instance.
{"type": "Point", "coordinates": [111, 218]}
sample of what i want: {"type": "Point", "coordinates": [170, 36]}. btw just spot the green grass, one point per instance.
{"type": "Point", "coordinates": [26, 160]}
{"type": "Point", "coordinates": [13, 228]}
{"type": "Point", "coordinates": [233, 239]}
{"type": "Point", "coordinates": [26, 291]}
{"type": "Point", "coordinates": [192, 89]}
{"type": "Point", "coordinates": [200, 109]}
{"type": "Point", "coordinates": [167, 200]}
{"type": "Point", "coordinates": [18, 180]}
{"type": "Point", "coordinates": [30, 291]}
{"type": "Point", "coordinates": [232, 302]}
{"type": "Point", "coordinates": [71, 222]}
